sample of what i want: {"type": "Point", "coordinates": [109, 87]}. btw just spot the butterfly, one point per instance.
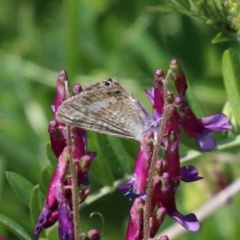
{"type": "Point", "coordinates": [107, 108]}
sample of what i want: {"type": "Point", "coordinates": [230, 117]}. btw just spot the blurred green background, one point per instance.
{"type": "Point", "coordinates": [93, 40]}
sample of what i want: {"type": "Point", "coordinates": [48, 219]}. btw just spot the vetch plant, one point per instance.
{"type": "Point", "coordinates": [157, 172]}
{"type": "Point", "coordinates": [155, 181]}
{"type": "Point", "coordinates": [177, 132]}
{"type": "Point", "coordinates": [69, 145]}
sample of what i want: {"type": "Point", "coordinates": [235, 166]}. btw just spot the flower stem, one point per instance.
{"type": "Point", "coordinates": [73, 170]}
{"type": "Point", "coordinates": [146, 216]}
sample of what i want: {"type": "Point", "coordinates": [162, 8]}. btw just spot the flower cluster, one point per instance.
{"type": "Point", "coordinates": [230, 9]}
{"type": "Point", "coordinates": [58, 202]}
{"type": "Point", "coordinates": [168, 173]}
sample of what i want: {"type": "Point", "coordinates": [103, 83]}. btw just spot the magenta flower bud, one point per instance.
{"type": "Point", "coordinates": [135, 230]}
{"type": "Point", "coordinates": [137, 184]}
{"type": "Point", "coordinates": [173, 121]}
{"type": "Point", "coordinates": [79, 142]}
{"type": "Point", "coordinates": [142, 163]}
{"type": "Point", "coordinates": [65, 228]}
{"type": "Point", "coordinates": [91, 235]}
{"type": "Point", "coordinates": [156, 220]}
{"type": "Point", "coordinates": [77, 89]}
{"type": "Point", "coordinates": [158, 91]}
{"type": "Point", "coordinates": [60, 94]}
{"type": "Point", "coordinates": [190, 123]}
{"type": "Point", "coordinates": [156, 94]}
{"type": "Point", "coordinates": [84, 165]}
{"type": "Point", "coordinates": [58, 177]}
{"type": "Point", "coordinates": [156, 186]}
{"type": "Point", "coordinates": [178, 77]}
{"type": "Point", "coordinates": [59, 192]}
{"type": "Point", "coordinates": [57, 138]}
{"type": "Point", "coordinates": [172, 159]}
{"type": "Point", "coordinates": [199, 129]}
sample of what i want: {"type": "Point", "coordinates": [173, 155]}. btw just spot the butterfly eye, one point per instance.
{"type": "Point", "coordinates": [110, 83]}
{"type": "Point", "coordinates": [107, 84]}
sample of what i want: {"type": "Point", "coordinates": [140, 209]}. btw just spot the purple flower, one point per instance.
{"type": "Point", "coordinates": [128, 188]}
{"type": "Point", "coordinates": [189, 174]}
{"type": "Point", "coordinates": [65, 228]}
{"type": "Point", "coordinates": [45, 218]}
{"type": "Point", "coordinates": [167, 173]}
{"type": "Point", "coordinates": [216, 123]}
{"type": "Point", "coordinates": [58, 202]}
{"type": "Point", "coordinates": [199, 129]}
{"type": "Point", "coordinates": [167, 201]}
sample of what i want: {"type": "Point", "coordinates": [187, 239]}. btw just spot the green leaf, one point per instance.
{"type": "Point", "coordinates": [185, 3]}
{"type": "Point", "coordinates": [194, 103]}
{"type": "Point", "coordinates": [214, 9]}
{"type": "Point", "coordinates": [100, 170]}
{"type": "Point", "coordinates": [115, 154]}
{"type": "Point", "coordinates": [231, 73]}
{"type": "Point", "coordinates": [14, 227]}
{"type": "Point", "coordinates": [162, 8]}
{"type": "Point", "coordinates": [36, 204]}
{"type": "Point", "coordinates": [46, 176]}
{"type": "Point", "coordinates": [2, 173]}
{"type": "Point", "coordinates": [122, 155]}
{"type": "Point", "coordinates": [110, 155]}
{"type": "Point", "coordinates": [21, 186]}
{"type": "Point", "coordinates": [52, 158]}
{"type": "Point", "coordinates": [222, 37]}
{"type": "Point", "coordinates": [132, 148]}
{"type": "Point", "coordinates": [188, 142]}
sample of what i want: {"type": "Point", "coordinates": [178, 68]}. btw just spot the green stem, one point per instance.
{"type": "Point", "coordinates": [146, 216]}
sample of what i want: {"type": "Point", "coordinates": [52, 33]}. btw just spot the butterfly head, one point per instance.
{"type": "Point", "coordinates": [112, 86]}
